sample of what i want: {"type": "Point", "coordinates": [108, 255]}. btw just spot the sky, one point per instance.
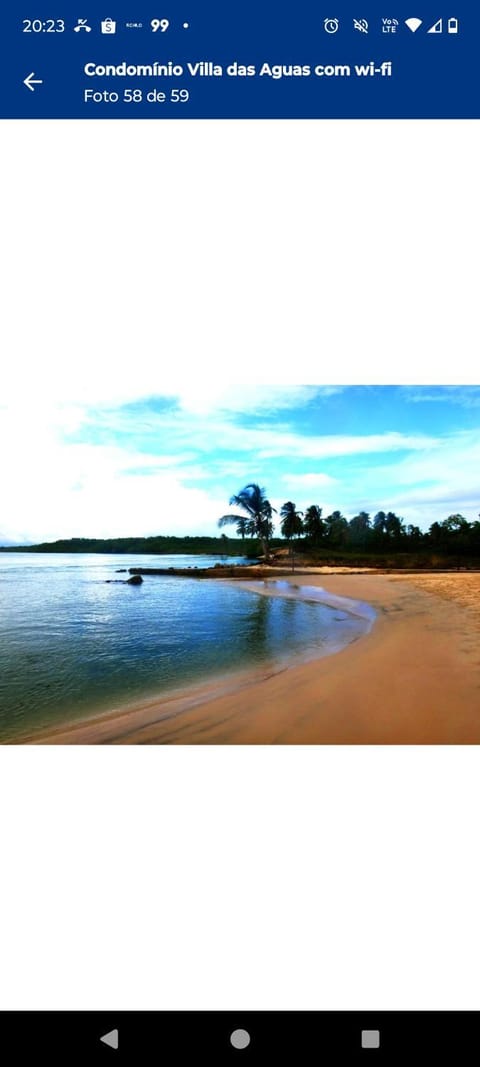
{"type": "Point", "coordinates": [168, 463]}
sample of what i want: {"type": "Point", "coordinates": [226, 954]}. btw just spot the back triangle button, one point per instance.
{"type": "Point", "coordinates": [110, 1039]}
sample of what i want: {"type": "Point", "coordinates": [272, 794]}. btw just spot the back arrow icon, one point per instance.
{"type": "Point", "coordinates": [31, 80]}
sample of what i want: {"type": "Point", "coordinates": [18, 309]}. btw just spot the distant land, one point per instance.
{"type": "Point", "coordinates": [451, 552]}
{"type": "Point", "coordinates": [195, 546]}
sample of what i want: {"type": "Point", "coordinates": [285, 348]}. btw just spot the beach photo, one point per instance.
{"type": "Point", "coordinates": [221, 564]}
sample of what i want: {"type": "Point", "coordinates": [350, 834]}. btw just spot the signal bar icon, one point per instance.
{"type": "Point", "coordinates": [438, 26]}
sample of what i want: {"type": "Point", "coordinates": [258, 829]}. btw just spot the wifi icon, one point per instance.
{"type": "Point", "coordinates": [413, 24]}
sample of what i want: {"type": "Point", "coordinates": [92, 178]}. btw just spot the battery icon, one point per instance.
{"type": "Point", "coordinates": [453, 25]}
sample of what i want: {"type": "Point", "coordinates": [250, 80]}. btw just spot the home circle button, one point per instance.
{"type": "Point", "coordinates": [240, 1039]}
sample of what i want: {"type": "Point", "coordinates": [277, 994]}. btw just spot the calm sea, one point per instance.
{"type": "Point", "coordinates": [71, 644]}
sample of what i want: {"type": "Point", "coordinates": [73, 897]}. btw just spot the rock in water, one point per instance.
{"type": "Point", "coordinates": [135, 580]}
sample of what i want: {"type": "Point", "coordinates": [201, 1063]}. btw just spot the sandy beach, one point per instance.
{"type": "Point", "coordinates": [414, 679]}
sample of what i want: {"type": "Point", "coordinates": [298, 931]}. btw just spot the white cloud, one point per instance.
{"type": "Point", "coordinates": [92, 383]}
{"type": "Point", "coordinates": [214, 429]}
{"type": "Point", "coordinates": [270, 444]}
{"type": "Point", "coordinates": [466, 396]}
{"type": "Point", "coordinates": [308, 481]}
{"type": "Point", "coordinates": [52, 485]}
{"type": "Point", "coordinates": [206, 397]}
{"type": "Point", "coordinates": [424, 487]}
{"type": "Point", "coordinates": [453, 462]}
{"type": "Point", "coordinates": [51, 489]}
{"type": "Point", "coordinates": [107, 504]}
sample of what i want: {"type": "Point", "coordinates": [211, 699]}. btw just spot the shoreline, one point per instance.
{"type": "Point", "coordinates": [413, 679]}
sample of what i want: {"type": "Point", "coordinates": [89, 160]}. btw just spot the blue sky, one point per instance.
{"type": "Point", "coordinates": [169, 463]}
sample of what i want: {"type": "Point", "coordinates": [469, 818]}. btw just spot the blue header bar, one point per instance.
{"type": "Point", "coordinates": [249, 59]}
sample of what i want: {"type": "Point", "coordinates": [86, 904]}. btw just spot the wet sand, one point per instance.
{"type": "Point", "coordinates": [414, 679]}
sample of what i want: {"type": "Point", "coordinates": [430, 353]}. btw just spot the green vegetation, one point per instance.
{"type": "Point", "coordinates": [291, 526]}
{"type": "Point", "coordinates": [384, 541]}
{"type": "Point", "coordinates": [388, 534]}
{"type": "Point", "coordinates": [195, 546]}
{"type": "Point", "coordinates": [313, 524]}
{"type": "Point", "coordinates": [256, 520]}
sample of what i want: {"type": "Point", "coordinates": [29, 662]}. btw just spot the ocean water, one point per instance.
{"type": "Point", "coordinates": [71, 644]}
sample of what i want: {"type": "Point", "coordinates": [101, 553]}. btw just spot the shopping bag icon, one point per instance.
{"type": "Point", "coordinates": [109, 26]}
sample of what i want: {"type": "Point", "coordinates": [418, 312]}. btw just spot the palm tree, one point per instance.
{"type": "Point", "coordinates": [257, 514]}
{"type": "Point", "coordinates": [292, 525]}
{"type": "Point", "coordinates": [313, 524]}
{"type": "Point", "coordinates": [243, 528]}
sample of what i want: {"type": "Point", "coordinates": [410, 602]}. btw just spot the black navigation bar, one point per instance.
{"type": "Point", "coordinates": [242, 1036]}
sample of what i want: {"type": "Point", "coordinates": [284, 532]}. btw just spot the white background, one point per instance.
{"type": "Point", "coordinates": [322, 252]}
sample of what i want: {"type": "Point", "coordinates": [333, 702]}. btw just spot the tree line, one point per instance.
{"type": "Point", "coordinates": [309, 529]}
{"type": "Point", "coordinates": [137, 545]}
{"type": "Point", "coordinates": [385, 531]}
